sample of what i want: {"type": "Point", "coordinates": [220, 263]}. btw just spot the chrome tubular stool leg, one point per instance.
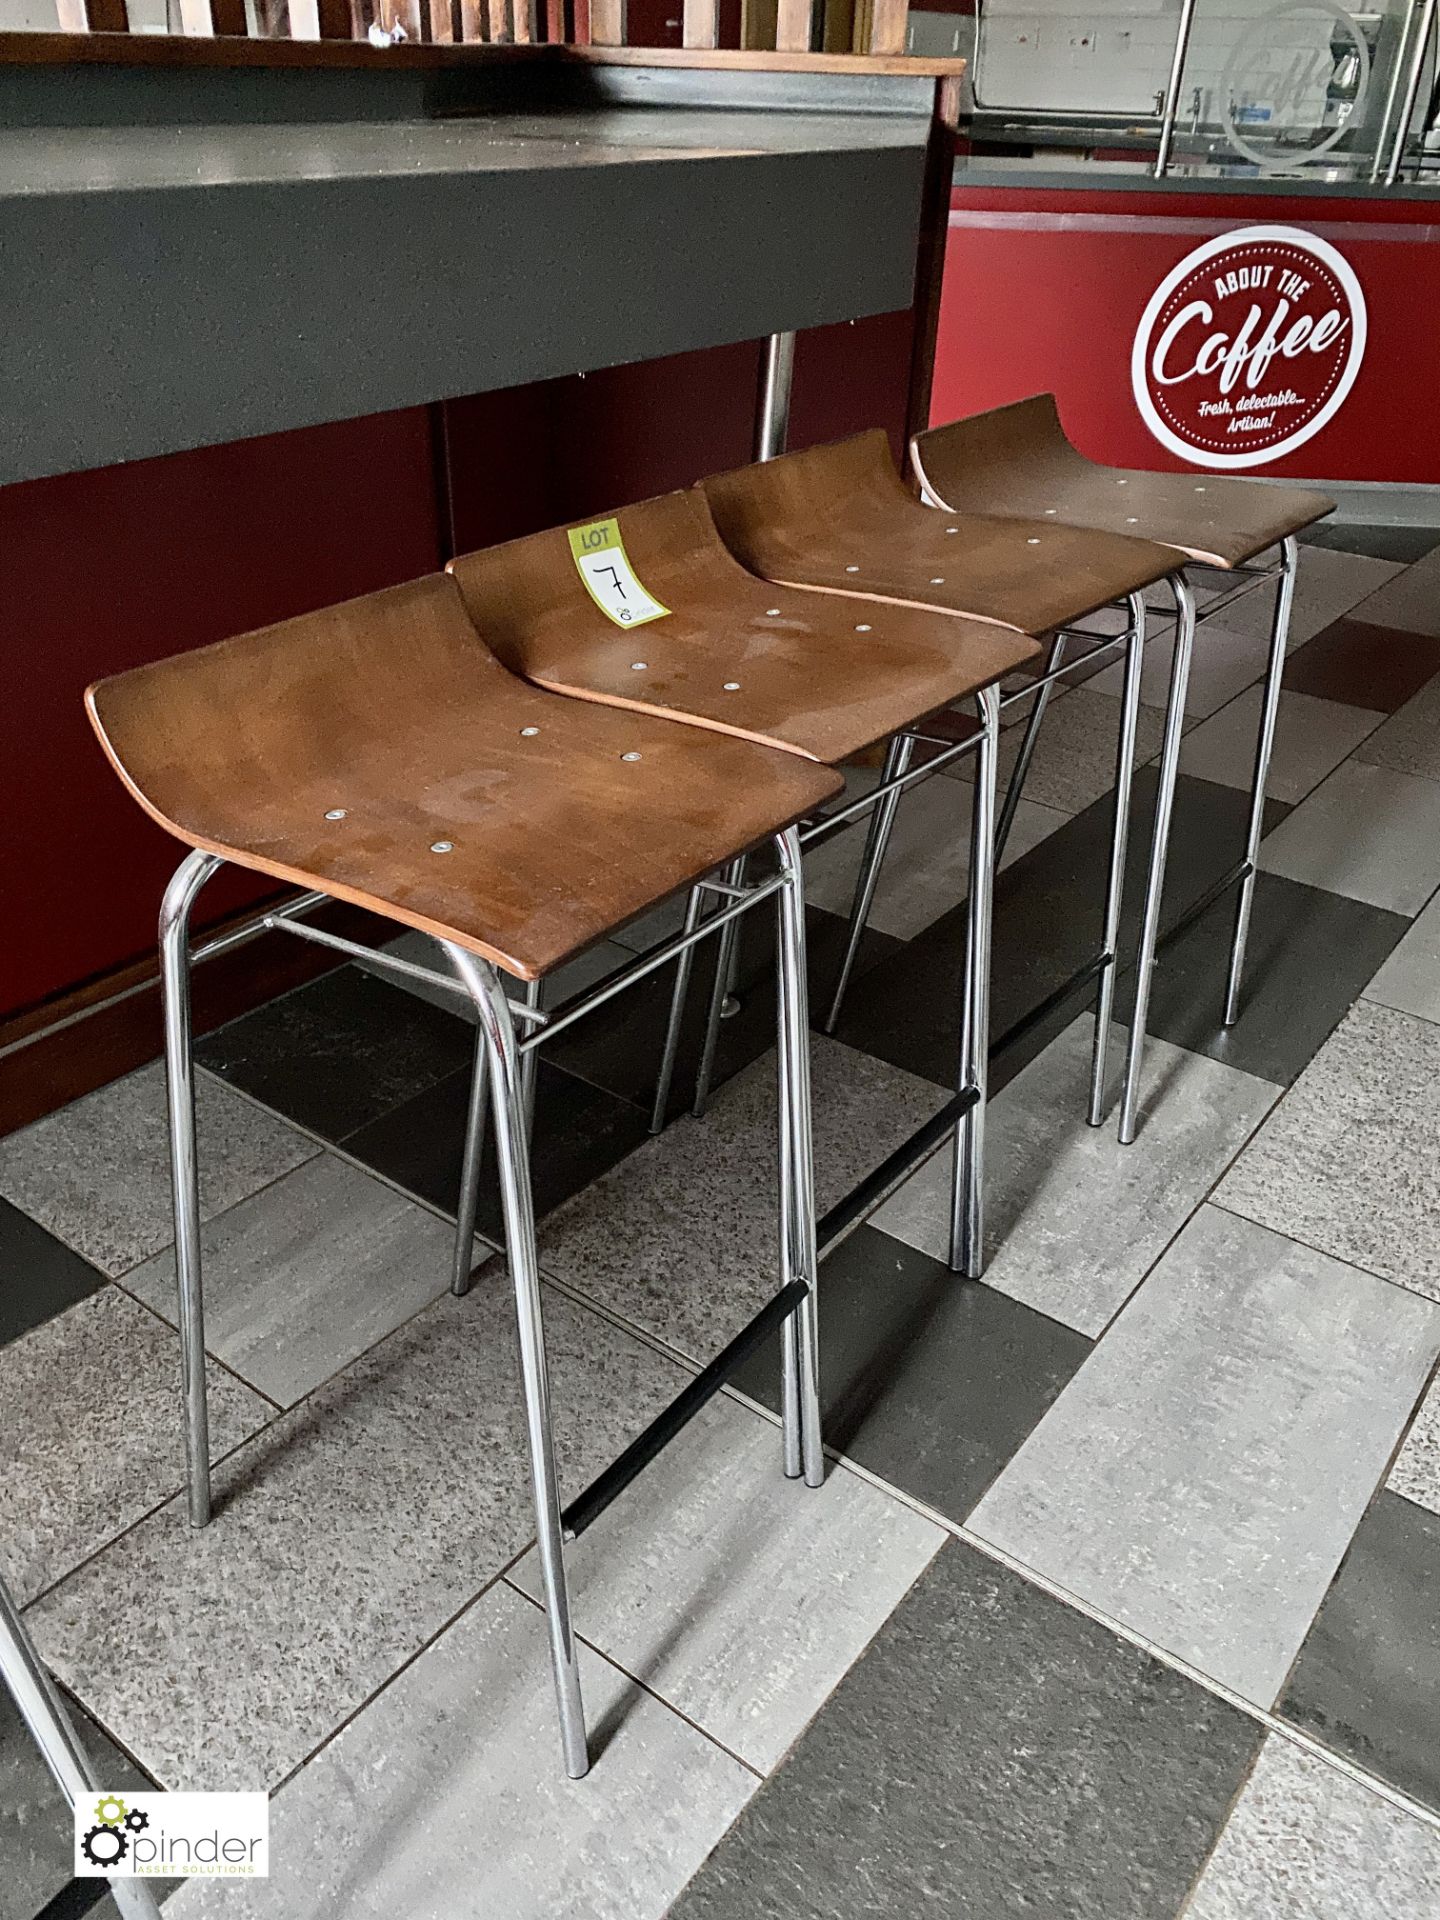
{"type": "Point", "coordinates": [799, 1258]}
{"type": "Point", "coordinates": [40, 1707]}
{"type": "Point", "coordinates": [679, 994]}
{"type": "Point", "coordinates": [512, 1151]}
{"type": "Point", "coordinates": [190, 876]}
{"type": "Point", "coordinates": [1119, 836]}
{"type": "Point", "coordinates": [726, 961]}
{"type": "Point", "coordinates": [967, 1193]}
{"type": "Point", "coordinates": [1036, 716]}
{"type": "Point", "coordinates": [898, 756]}
{"type": "Point", "coordinates": [1264, 746]}
{"type": "Point", "coordinates": [1159, 850]}
{"type": "Point", "coordinates": [470, 1166]}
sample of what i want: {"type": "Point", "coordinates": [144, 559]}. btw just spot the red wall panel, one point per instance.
{"type": "Point", "coordinates": [1044, 291]}
{"type": "Point", "coordinates": [102, 571]}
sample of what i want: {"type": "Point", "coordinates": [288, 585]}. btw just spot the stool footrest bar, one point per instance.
{"type": "Point", "coordinates": [876, 1188]}
{"type": "Point", "coordinates": [609, 1485]}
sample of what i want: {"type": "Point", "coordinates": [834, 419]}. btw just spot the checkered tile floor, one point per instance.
{"type": "Point", "coordinates": [1120, 1600]}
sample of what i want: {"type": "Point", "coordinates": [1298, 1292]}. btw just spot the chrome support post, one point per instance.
{"type": "Point", "coordinates": [772, 411]}
{"type": "Point", "coordinates": [38, 1699]}
{"type": "Point", "coordinates": [1115, 885]}
{"type": "Point", "coordinates": [727, 959]}
{"type": "Point", "coordinates": [512, 1151]}
{"type": "Point", "coordinates": [190, 876]}
{"type": "Point", "coordinates": [967, 1193]}
{"type": "Point", "coordinates": [679, 994]}
{"type": "Point", "coordinates": [799, 1259]}
{"type": "Point", "coordinates": [1183, 29]}
{"type": "Point", "coordinates": [898, 756]}
{"type": "Point", "coordinates": [530, 1062]}
{"type": "Point", "coordinates": [1159, 851]}
{"type": "Point", "coordinates": [1054, 661]}
{"type": "Point", "coordinates": [474, 1153]}
{"type": "Point", "coordinates": [1412, 92]}
{"type": "Point", "coordinates": [1264, 747]}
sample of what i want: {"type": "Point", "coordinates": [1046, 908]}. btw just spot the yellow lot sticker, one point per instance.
{"type": "Point", "coordinates": [610, 580]}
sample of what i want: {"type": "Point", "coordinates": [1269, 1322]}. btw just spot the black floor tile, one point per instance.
{"type": "Point", "coordinates": [39, 1275]}
{"type": "Point", "coordinates": [1367, 1680]}
{"type": "Point", "coordinates": [581, 1131]}
{"type": "Point", "coordinates": [37, 1843]}
{"type": "Point", "coordinates": [337, 1054]}
{"type": "Point", "coordinates": [929, 1380]}
{"type": "Point", "coordinates": [1048, 909]}
{"type": "Point", "coordinates": [619, 1046]}
{"type": "Point", "coordinates": [992, 1756]}
{"type": "Point", "coordinates": [1364, 666]}
{"type": "Point", "coordinates": [1405, 545]}
{"type": "Point", "coordinates": [1310, 955]}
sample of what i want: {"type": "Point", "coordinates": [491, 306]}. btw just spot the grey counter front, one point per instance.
{"type": "Point", "coordinates": [192, 255]}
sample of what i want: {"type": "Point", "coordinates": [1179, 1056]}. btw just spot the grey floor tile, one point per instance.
{"type": "Point", "coordinates": [1307, 960]}
{"type": "Point", "coordinates": [93, 1400]}
{"type": "Point", "coordinates": [1201, 1476]}
{"type": "Point", "coordinates": [1312, 737]}
{"type": "Point", "coordinates": [1409, 981]}
{"type": "Point", "coordinates": [994, 1756]}
{"type": "Point", "coordinates": [97, 1173]}
{"type": "Point", "coordinates": [306, 1274]}
{"type": "Point", "coordinates": [445, 1800]}
{"type": "Point", "coordinates": [345, 1536]}
{"type": "Point", "coordinates": [1225, 661]}
{"type": "Point", "coordinates": [39, 1275]}
{"type": "Point", "coordinates": [1074, 1219]}
{"type": "Point", "coordinates": [1366, 831]}
{"type": "Point", "coordinates": [1350, 1160]}
{"type": "Point", "coordinates": [1410, 599]}
{"type": "Point", "coordinates": [927, 863]}
{"type": "Point", "coordinates": [37, 1834]}
{"type": "Point", "coordinates": [1328, 583]}
{"type": "Point", "coordinates": [1367, 1681]}
{"type": "Point", "coordinates": [1403, 545]}
{"type": "Point", "coordinates": [928, 1380]}
{"type": "Point", "coordinates": [1416, 1472]}
{"type": "Point", "coordinates": [681, 1238]}
{"type": "Point", "coordinates": [1306, 1842]}
{"type": "Point", "coordinates": [741, 1597]}
{"type": "Point", "coordinates": [1409, 741]}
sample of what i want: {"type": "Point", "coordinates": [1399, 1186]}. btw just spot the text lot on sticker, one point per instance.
{"type": "Point", "coordinates": [609, 578]}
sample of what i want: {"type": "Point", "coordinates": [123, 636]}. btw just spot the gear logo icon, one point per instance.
{"type": "Point", "coordinates": [137, 1820]}
{"type": "Point", "coordinates": [110, 1810]}
{"type": "Point", "coordinates": [105, 1846]}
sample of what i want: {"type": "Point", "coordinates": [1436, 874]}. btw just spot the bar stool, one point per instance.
{"type": "Point", "coordinates": [379, 753]}
{"type": "Point", "coordinates": [38, 1699]}
{"type": "Point", "coordinates": [838, 520]}
{"type": "Point", "coordinates": [1018, 459]}
{"type": "Point", "coordinates": [819, 678]}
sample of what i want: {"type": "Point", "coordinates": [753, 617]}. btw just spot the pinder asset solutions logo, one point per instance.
{"type": "Point", "coordinates": [173, 1835]}
{"type": "Point", "coordinates": [1248, 347]}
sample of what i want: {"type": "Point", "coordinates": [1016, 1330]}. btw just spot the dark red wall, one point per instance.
{"type": "Point", "coordinates": [101, 571]}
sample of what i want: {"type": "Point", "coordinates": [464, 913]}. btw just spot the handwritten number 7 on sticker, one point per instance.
{"type": "Point", "coordinates": [603, 564]}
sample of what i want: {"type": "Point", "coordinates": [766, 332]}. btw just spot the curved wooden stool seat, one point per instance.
{"type": "Point", "coordinates": [839, 518]}
{"type": "Point", "coordinates": [819, 676]}
{"type": "Point", "coordinates": [1019, 460]}
{"type": "Point", "coordinates": [380, 752]}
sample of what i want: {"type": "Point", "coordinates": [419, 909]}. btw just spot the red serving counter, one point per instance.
{"type": "Point", "coordinates": [1186, 323]}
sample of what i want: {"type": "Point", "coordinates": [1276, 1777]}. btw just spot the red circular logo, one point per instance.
{"type": "Point", "coordinates": [1248, 347]}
